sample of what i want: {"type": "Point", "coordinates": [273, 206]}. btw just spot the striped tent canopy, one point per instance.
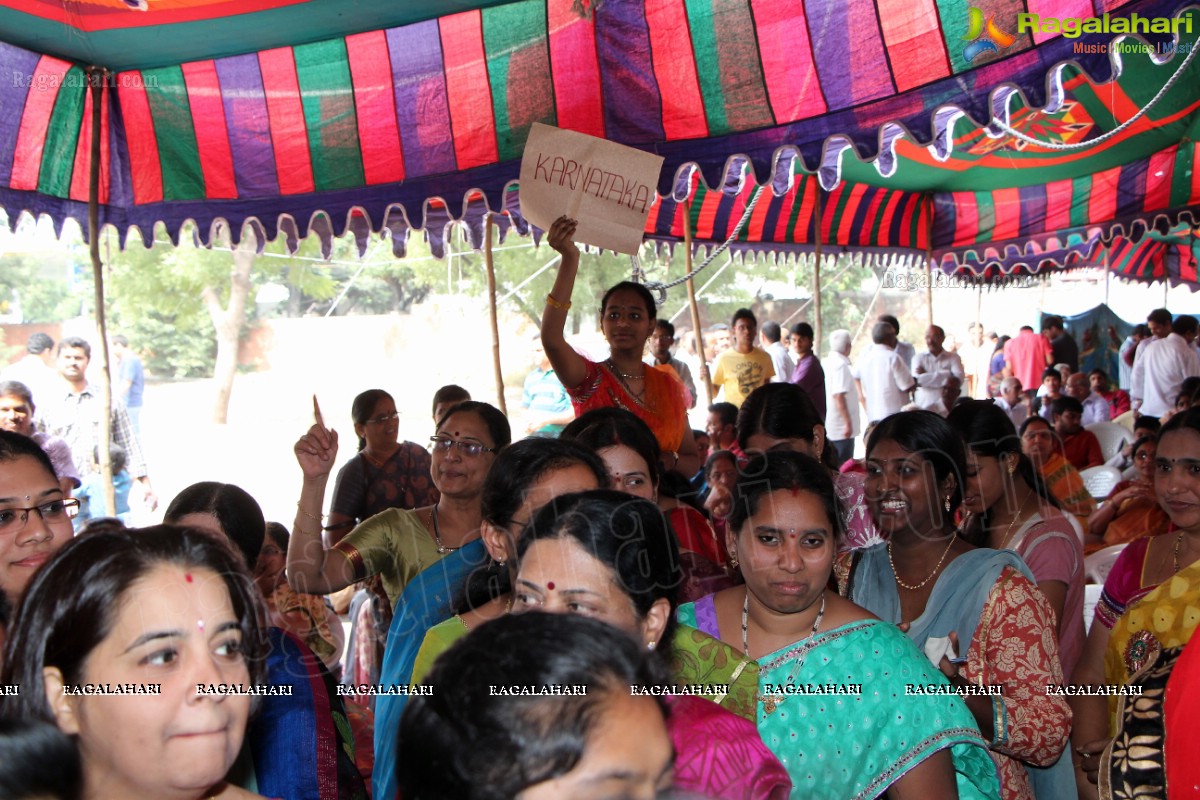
{"type": "Point", "coordinates": [331, 115]}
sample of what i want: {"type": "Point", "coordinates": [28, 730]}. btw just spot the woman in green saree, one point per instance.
{"type": "Point", "coordinates": [846, 701]}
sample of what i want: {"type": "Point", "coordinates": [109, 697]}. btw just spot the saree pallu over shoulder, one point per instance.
{"type": "Point", "coordinates": [1165, 618]}
{"type": "Point", "coordinates": [664, 407]}
{"type": "Point", "coordinates": [958, 597]}
{"type": "Point", "coordinates": [698, 659]}
{"type": "Point", "coordinates": [425, 601]}
{"type": "Point", "coordinates": [297, 749]}
{"type": "Point", "coordinates": [865, 709]}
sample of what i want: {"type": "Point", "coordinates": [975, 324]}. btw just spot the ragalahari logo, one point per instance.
{"type": "Point", "coordinates": [984, 35]}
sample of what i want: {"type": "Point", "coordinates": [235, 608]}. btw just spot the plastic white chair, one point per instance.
{"type": "Point", "coordinates": [1091, 596]}
{"type": "Point", "coordinates": [1100, 480]}
{"type": "Point", "coordinates": [1097, 566]}
{"type": "Point", "coordinates": [1112, 438]}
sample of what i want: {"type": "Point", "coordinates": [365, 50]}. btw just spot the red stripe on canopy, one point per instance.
{"type": "Point", "coordinates": [31, 137]}
{"type": "Point", "coordinates": [212, 133]}
{"type": "Point", "coordinates": [845, 233]}
{"type": "Point", "coordinates": [289, 134]}
{"type": "Point", "coordinates": [1058, 205]}
{"type": "Point", "coordinates": [375, 104]}
{"type": "Point", "coordinates": [1007, 206]}
{"type": "Point", "coordinates": [1102, 201]}
{"type": "Point", "coordinates": [787, 59]}
{"type": "Point", "coordinates": [1158, 180]}
{"type": "Point", "coordinates": [575, 70]}
{"type": "Point", "coordinates": [143, 144]}
{"type": "Point", "coordinates": [675, 71]}
{"type": "Point", "coordinates": [81, 172]}
{"type": "Point", "coordinates": [916, 48]}
{"type": "Point", "coordinates": [468, 90]}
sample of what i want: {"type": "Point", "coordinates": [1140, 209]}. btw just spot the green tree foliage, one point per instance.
{"type": "Point", "coordinates": [156, 296]}
{"type": "Point", "coordinates": [38, 287]}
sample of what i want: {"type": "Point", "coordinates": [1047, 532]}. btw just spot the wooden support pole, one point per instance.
{"type": "Point", "coordinates": [691, 290]}
{"type": "Point", "coordinates": [95, 76]}
{"type": "Point", "coordinates": [491, 287]}
{"type": "Point", "coordinates": [816, 281]}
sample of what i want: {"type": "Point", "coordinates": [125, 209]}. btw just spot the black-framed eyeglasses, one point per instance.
{"type": "Point", "coordinates": [13, 520]}
{"type": "Point", "coordinates": [444, 443]}
{"type": "Point", "coordinates": [382, 418]}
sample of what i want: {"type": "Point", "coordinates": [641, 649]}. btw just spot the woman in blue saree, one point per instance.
{"type": "Point", "coordinates": [847, 703]}
{"type": "Point", "coordinates": [422, 556]}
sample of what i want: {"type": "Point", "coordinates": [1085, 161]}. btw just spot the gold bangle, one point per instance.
{"type": "Point", "coordinates": [310, 516]}
{"type": "Point", "coordinates": [555, 303]}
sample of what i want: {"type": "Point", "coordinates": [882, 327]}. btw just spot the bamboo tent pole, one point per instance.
{"type": "Point", "coordinates": [691, 290]}
{"type": "Point", "coordinates": [816, 279]}
{"type": "Point", "coordinates": [491, 287]}
{"type": "Point", "coordinates": [96, 77]}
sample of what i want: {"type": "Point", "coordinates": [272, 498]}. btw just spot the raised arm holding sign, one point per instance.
{"type": "Point", "coordinates": [623, 380]}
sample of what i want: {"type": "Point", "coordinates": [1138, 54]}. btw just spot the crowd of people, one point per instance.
{"type": "Point", "coordinates": [617, 605]}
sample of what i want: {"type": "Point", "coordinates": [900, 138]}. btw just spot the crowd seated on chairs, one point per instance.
{"type": "Point", "coordinates": [967, 536]}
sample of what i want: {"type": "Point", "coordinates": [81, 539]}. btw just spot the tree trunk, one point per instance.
{"type": "Point", "coordinates": [228, 321]}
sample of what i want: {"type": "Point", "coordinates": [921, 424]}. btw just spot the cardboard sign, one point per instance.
{"type": "Point", "coordinates": [607, 187]}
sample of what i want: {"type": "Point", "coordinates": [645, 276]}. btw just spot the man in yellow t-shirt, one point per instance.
{"type": "Point", "coordinates": [742, 368]}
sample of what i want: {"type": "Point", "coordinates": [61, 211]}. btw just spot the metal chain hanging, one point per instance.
{"type": "Point", "coordinates": [638, 275]}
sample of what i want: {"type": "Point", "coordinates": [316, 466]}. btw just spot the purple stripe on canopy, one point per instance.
{"type": "Point", "coordinates": [774, 209]}
{"type": "Point", "coordinates": [626, 71]}
{"type": "Point", "coordinates": [848, 51]}
{"type": "Point", "coordinates": [249, 126]}
{"type": "Point", "coordinates": [422, 107]}
{"type": "Point", "coordinates": [16, 82]}
{"type": "Point", "coordinates": [1131, 187]}
{"type": "Point", "coordinates": [1033, 209]}
{"type": "Point", "coordinates": [945, 219]}
{"type": "Point", "coordinates": [860, 216]}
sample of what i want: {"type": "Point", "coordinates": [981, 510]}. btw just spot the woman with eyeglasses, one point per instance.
{"type": "Point", "coordinates": [422, 556]}
{"type": "Point", "coordinates": [1131, 511]}
{"type": "Point", "coordinates": [35, 517]}
{"type": "Point", "coordinates": [1040, 444]}
{"type": "Point", "coordinates": [384, 473]}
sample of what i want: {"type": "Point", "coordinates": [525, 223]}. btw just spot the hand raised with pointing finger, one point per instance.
{"type": "Point", "coordinates": [316, 451]}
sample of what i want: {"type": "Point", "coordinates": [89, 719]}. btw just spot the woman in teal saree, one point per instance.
{"type": "Point", "coordinates": [846, 701]}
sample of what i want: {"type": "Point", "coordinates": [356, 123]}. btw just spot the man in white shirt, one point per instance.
{"type": "Point", "coordinates": [903, 349]}
{"type": "Point", "coordinates": [34, 369]}
{"type": "Point", "coordinates": [934, 367]}
{"type": "Point", "coordinates": [841, 396]}
{"type": "Point", "coordinates": [770, 335]}
{"type": "Point", "coordinates": [1161, 367]}
{"type": "Point", "coordinates": [1012, 400]}
{"type": "Point", "coordinates": [1128, 348]}
{"type": "Point", "coordinates": [884, 380]}
{"type": "Point", "coordinates": [1095, 407]}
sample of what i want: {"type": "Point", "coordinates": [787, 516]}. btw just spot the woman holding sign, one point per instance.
{"type": "Point", "coordinates": [627, 315]}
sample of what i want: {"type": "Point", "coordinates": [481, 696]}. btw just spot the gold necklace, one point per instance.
{"type": "Point", "coordinates": [1175, 557]}
{"type": "Point", "coordinates": [437, 534]}
{"type": "Point", "coordinates": [913, 588]}
{"type": "Point", "coordinates": [1016, 517]}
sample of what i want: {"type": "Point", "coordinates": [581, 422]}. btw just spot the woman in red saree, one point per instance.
{"type": "Point", "coordinates": [623, 380]}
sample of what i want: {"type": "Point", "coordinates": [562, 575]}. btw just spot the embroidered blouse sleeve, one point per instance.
{"type": "Point", "coordinates": [587, 387]}
{"type": "Point", "coordinates": [1018, 649]}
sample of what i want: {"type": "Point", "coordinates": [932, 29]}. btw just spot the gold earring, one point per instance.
{"type": "Point", "coordinates": [947, 504]}
{"type": "Point", "coordinates": [733, 560]}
